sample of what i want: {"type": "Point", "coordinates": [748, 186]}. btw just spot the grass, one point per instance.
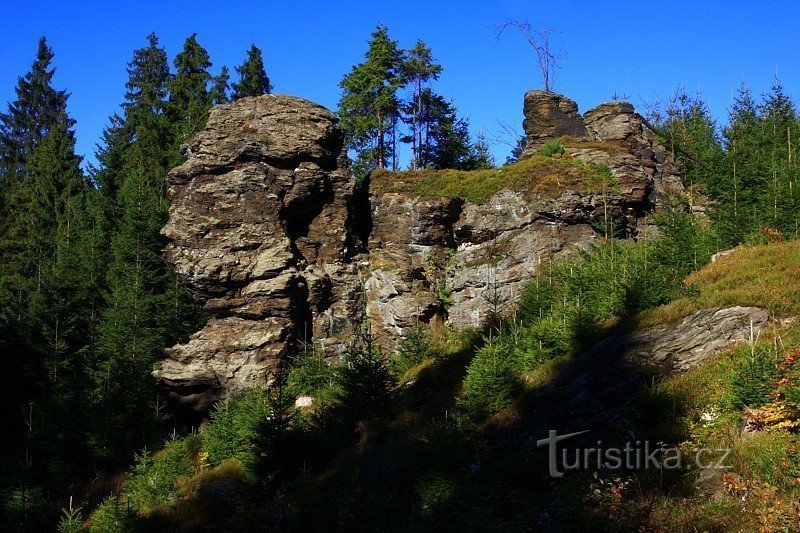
{"type": "Point", "coordinates": [766, 276]}
{"type": "Point", "coordinates": [539, 176]}
{"type": "Point", "coordinates": [451, 473]}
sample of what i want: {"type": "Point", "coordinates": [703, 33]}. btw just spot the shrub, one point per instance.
{"type": "Point", "coordinates": [115, 514]}
{"type": "Point", "coordinates": [492, 381]}
{"type": "Point", "coordinates": [753, 380]}
{"type": "Point", "coordinates": [366, 387]}
{"type": "Point", "coordinates": [551, 148]}
{"type": "Point", "coordinates": [311, 375]}
{"type": "Point", "coordinates": [153, 480]}
{"type": "Point", "coordinates": [542, 340]}
{"type": "Point", "coordinates": [234, 428]}
{"type": "Point", "coordinates": [416, 348]}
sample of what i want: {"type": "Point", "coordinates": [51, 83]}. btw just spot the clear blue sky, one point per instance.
{"type": "Point", "coordinates": [639, 48]}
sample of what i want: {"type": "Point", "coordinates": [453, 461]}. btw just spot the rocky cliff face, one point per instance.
{"type": "Point", "coordinates": [268, 232]}
{"type": "Point", "coordinates": [262, 230]}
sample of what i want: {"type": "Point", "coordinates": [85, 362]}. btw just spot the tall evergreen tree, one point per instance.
{"type": "Point", "coordinates": [418, 70]}
{"type": "Point", "coordinates": [219, 87]}
{"type": "Point", "coordinates": [369, 107]}
{"type": "Point", "coordinates": [66, 282]}
{"type": "Point", "coordinates": [253, 79]}
{"type": "Point", "coordinates": [780, 130]}
{"type": "Point", "coordinates": [445, 141]}
{"type": "Point", "coordinates": [43, 279]}
{"type": "Point", "coordinates": [131, 329]}
{"type": "Point", "coordinates": [741, 193]}
{"type": "Point", "coordinates": [145, 311]}
{"type": "Point", "coordinates": [37, 108]}
{"type": "Point", "coordinates": [189, 98]}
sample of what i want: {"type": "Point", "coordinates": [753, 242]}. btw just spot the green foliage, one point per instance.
{"type": "Point", "coordinates": [189, 98]}
{"type": "Point", "coordinates": [551, 149]}
{"type": "Point", "coordinates": [218, 94]}
{"type": "Point", "coordinates": [415, 348]}
{"type": "Point", "coordinates": [153, 479]}
{"type": "Point", "coordinates": [235, 428]}
{"type": "Point", "coordinates": [365, 385]}
{"type": "Point", "coordinates": [26, 508]}
{"type": "Point", "coordinates": [753, 379]}
{"type": "Point", "coordinates": [750, 170]}
{"type": "Point", "coordinates": [687, 241]}
{"type": "Point", "coordinates": [37, 108]}
{"type": "Point", "coordinates": [369, 108]}
{"type": "Point", "coordinates": [543, 176]}
{"type": "Point", "coordinates": [311, 375]}
{"type": "Point", "coordinates": [419, 69]}
{"type": "Point", "coordinates": [253, 79]}
{"type": "Point", "coordinates": [115, 514]}
{"type": "Point", "coordinates": [492, 381]}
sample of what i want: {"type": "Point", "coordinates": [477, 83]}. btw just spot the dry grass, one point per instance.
{"type": "Point", "coordinates": [765, 276]}
{"type": "Point", "coordinates": [538, 176]}
{"type": "Point", "coordinates": [611, 147]}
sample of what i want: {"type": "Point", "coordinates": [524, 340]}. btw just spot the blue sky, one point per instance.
{"type": "Point", "coordinates": [639, 49]}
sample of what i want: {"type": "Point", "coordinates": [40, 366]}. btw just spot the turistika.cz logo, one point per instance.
{"type": "Point", "coordinates": [638, 455]}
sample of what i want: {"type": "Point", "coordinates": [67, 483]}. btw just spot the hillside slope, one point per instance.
{"type": "Point", "coordinates": [429, 464]}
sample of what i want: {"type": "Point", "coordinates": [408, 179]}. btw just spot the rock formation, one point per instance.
{"type": "Point", "coordinates": [262, 230]}
{"type": "Point", "coordinates": [267, 229]}
{"type": "Point", "coordinates": [612, 133]}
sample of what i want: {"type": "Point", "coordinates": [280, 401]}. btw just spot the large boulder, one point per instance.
{"type": "Point", "coordinates": [261, 231]}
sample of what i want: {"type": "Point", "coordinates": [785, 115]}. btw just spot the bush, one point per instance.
{"type": "Point", "coordinates": [542, 340]}
{"type": "Point", "coordinates": [366, 387]}
{"type": "Point", "coordinates": [415, 349]}
{"type": "Point", "coordinates": [551, 148]}
{"type": "Point", "coordinates": [753, 383]}
{"type": "Point", "coordinates": [311, 375]}
{"type": "Point", "coordinates": [115, 514]}
{"type": "Point", "coordinates": [153, 480]}
{"type": "Point", "coordinates": [234, 428]}
{"type": "Point", "coordinates": [492, 381]}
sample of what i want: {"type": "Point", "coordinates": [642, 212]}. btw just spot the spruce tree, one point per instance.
{"type": "Point", "coordinates": [145, 311]}
{"type": "Point", "coordinates": [219, 88]}
{"type": "Point", "coordinates": [741, 195]}
{"type": "Point", "coordinates": [370, 107]}
{"type": "Point", "coordinates": [418, 70]}
{"type": "Point", "coordinates": [446, 142]}
{"type": "Point", "coordinates": [38, 108]}
{"type": "Point", "coordinates": [780, 130]}
{"type": "Point", "coordinates": [189, 98]}
{"type": "Point", "coordinates": [65, 284]}
{"type": "Point", "coordinates": [253, 79]}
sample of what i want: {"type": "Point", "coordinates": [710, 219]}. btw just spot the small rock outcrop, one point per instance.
{"type": "Point", "coordinates": [685, 345]}
{"type": "Point", "coordinates": [261, 230]}
{"type": "Point", "coordinates": [611, 134]}
{"type": "Point", "coordinates": [549, 116]}
{"type": "Point", "coordinates": [269, 232]}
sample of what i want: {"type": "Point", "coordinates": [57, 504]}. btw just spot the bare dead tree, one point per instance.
{"type": "Point", "coordinates": [539, 40]}
{"type": "Point", "coordinates": [506, 134]}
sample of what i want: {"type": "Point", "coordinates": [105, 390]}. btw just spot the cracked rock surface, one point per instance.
{"type": "Point", "coordinates": [268, 230]}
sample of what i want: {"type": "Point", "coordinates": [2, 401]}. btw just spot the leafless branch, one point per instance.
{"type": "Point", "coordinates": [540, 42]}
{"type": "Point", "coordinates": [506, 134]}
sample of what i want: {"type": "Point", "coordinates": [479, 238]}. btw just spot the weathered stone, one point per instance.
{"type": "Point", "coordinates": [261, 231]}
{"type": "Point", "coordinates": [266, 229]}
{"type": "Point", "coordinates": [682, 346]}
{"type": "Point", "coordinates": [549, 116]}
